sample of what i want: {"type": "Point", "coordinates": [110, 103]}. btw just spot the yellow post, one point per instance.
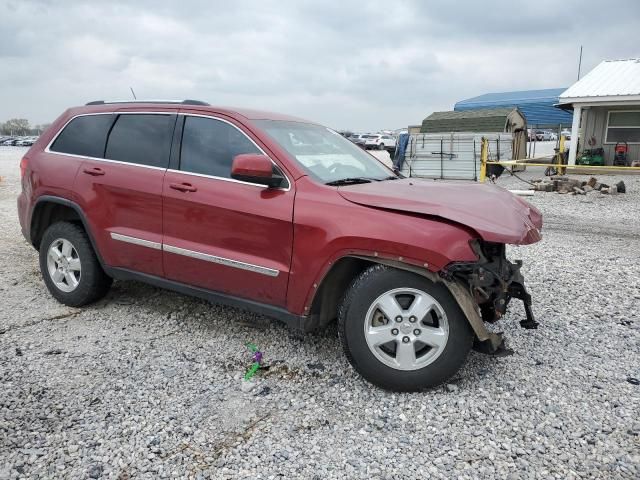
{"type": "Point", "coordinates": [561, 170]}
{"type": "Point", "coordinates": [484, 154]}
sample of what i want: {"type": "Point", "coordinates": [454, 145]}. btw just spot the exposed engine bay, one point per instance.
{"type": "Point", "coordinates": [493, 281]}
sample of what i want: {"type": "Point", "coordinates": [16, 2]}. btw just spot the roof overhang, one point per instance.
{"type": "Point", "coordinates": [568, 107]}
{"type": "Point", "coordinates": [595, 101]}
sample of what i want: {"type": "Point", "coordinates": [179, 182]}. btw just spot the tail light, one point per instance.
{"type": "Point", "coordinates": [23, 167]}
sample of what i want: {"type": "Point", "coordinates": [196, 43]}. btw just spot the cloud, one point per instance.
{"type": "Point", "coordinates": [358, 65]}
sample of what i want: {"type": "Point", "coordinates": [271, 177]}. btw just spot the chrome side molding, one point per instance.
{"type": "Point", "coordinates": [228, 262]}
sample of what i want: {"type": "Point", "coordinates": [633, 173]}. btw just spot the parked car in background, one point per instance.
{"type": "Point", "coordinates": [566, 134]}
{"type": "Point", "coordinates": [17, 141]}
{"type": "Point", "coordinates": [358, 140]}
{"type": "Point", "coordinates": [380, 141]}
{"type": "Point", "coordinates": [25, 142]}
{"type": "Point", "coordinates": [278, 216]}
{"type": "Point", "coordinates": [553, 136]}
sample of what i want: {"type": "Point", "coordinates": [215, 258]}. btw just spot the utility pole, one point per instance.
{"type": "Point", "coordinates": [580, 62]}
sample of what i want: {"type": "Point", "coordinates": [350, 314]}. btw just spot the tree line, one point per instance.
{"type": "Point", "coordinates": [21, 127]}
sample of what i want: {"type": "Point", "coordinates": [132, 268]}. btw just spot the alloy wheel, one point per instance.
{"type": "Point", "coordinates": [406, 329]}
{"type": "Point", "coordinates": [63, 265]}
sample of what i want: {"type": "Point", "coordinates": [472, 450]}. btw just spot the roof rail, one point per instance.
{"type": "Point", "coordinates": [181, 102]}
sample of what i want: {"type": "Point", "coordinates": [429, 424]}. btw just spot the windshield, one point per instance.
{"type": "Point", "coordinates": [325, 154]}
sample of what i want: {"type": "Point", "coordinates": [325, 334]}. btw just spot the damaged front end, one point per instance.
{"type": "Point", "coordinates": [492, 281]}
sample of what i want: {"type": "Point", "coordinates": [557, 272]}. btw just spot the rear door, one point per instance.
{"type": "Point", "coordinates": [219, 233]}
{"type": "Point", "coordinates": [121, 193]}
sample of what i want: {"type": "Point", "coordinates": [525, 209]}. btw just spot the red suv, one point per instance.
{"type": "Point", "coordinates": [280, 216]}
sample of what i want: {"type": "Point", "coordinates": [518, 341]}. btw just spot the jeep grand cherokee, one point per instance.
{"type": "Point", "coordinates": [280, 216]}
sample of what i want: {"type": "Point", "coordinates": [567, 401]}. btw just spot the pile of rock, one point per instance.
{"type": "Point", "coordinates": [572, 186]}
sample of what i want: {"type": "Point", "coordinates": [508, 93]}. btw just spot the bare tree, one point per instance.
{"type": "Point", "coordinates": [38, 129]}
{"type": "Point", "coordinates": [16, 126]}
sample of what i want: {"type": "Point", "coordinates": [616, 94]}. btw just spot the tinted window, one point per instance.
{"type": "Point", "coordinates": [84, 135]}
{"type": "Point", "coordinates": [141, 138]}
{"type": "Point", "coordinates": [208, 146]}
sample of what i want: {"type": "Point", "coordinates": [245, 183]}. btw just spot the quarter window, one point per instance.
{"type": "Point", "coordinates": [209, 146]}
{"type": "Point", "coordinates": [143, 139]}
{"type": "Point", "coordinates": [85, 135]}
{"type": "Point", "coordinates": [623, 126]}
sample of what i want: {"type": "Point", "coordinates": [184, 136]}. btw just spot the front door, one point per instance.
{"type": "Point", "coordinates": [219, 233]}
{"type": "Point", "coordinates": [121, 194]}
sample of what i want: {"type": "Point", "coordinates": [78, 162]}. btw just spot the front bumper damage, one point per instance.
{"type": "Point", "coordinates": [488, 285]}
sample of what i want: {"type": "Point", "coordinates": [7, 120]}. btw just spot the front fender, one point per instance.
{"type": "Point", "coordinates": [326, 230]}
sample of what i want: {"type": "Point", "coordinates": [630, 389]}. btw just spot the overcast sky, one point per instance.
{"type": "Point", "coordinates": [362, 65]}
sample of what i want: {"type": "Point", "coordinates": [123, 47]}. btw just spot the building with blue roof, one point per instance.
{"type": "Point", "coordinates": [536, 105]}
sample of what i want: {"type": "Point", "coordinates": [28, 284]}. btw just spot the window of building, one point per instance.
{"type": "Point", "coordinates": [623, 126]}
{"type": "Point", "coordinates": [85, 135]}
{"type": "Point", "coordinates": [209, 146]}
{"type": "Point", "coordinates": [144, 139]}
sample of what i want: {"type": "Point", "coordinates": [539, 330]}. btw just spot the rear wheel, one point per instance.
{"type": "Point", "coordinates": [381, 146]}
{"type": "Point", "coordinates": [69, 266]}
{"type": "Point", "coordinates": [401, 331]}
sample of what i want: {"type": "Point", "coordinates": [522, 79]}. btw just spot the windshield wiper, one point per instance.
{"type": "Point", "coordinates": [350, 181]}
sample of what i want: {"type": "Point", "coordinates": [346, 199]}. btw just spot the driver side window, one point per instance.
{"type": "Point", "coordinates": [209, 146]}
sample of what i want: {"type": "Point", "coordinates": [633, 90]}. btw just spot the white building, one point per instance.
{"type": "Point", "coordinates": [606, 107]}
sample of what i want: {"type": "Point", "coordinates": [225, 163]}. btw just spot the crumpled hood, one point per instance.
{"type": "Point", "coordinates": [494, 213]}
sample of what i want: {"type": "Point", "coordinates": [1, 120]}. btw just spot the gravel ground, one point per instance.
{"type": "Point", "coordinates": [147, 383]}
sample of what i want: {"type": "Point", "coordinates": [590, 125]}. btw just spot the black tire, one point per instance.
{"type": "Point", "coordinates": [366, 288]}
{"type": "Point", "coordinates": [93, 283]}
{"type": "Point", "coordinates": [381, 146]}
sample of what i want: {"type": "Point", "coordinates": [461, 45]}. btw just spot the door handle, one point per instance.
{"type": "Point", "coordinates": [183, 187]}
{"type": "Point", "coordinates": [95, 171]}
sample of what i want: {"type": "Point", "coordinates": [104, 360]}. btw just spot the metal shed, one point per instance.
{"type": "Point", "coordinates": [496, 120]}
{"type": "Point", "coordinates": [536, 105]}
{"type": "Point", "coordinates": [452, 156]}
{"type": "Point", "coordinates": [488, 120]}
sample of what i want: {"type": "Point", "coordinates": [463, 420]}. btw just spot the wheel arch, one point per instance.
{"type": "Point", "coordinates": [50, 209]}
{"type": "Point", "coordinates": [328, 293]}
{"type": "Point", "coordinates": [331, 289]}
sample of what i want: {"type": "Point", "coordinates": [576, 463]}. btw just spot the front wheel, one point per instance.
{"type": "Point", "coordinates": [381, 146]}
{"type": "Point", "coordinates": [401, 331]}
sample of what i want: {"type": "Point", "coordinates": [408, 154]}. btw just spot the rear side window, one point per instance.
{"type": "Point", "coordinates": [84, 135]}
{"type": "Point", "coordinates": [141, 138]}
{"type": "Point", "coordinates": [209, 145]}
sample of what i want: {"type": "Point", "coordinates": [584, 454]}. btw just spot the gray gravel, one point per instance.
{"type": "Point", "coordinates": [147, 383]}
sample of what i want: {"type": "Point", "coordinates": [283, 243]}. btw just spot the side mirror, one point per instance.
{"type": "Point", "coordinates": [255, 168]}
